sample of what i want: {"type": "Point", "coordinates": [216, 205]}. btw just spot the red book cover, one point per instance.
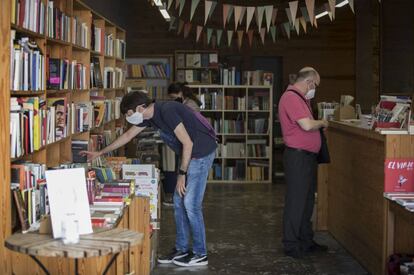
{"type": "Point", "coordinates": [22, 12]}
{"type": "Point", "coordinates": [399, 175]}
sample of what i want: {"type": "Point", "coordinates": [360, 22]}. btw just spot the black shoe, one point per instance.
{"type": "Point", "coordinates": [175, 254]}
{"type": "Point", "coordinates": [192, 260]}
{"type": "Point", "coordinates": [315, 247]}
{"type": "Point", "coordinates": [294, 253]}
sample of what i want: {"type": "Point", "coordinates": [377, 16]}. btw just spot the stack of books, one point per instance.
{"type": "Point", "coordinates": [405, 199]}
{"type": "Point", "coordinates": [29, 14]}
{"type": "Point", "coordinates": [58, 23]}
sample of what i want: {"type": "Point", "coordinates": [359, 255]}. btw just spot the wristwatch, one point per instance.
{"type": "Point", "coordinates": [182, 172]}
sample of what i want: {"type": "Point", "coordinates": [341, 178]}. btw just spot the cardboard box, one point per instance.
{"type": "Point", "coordinates": [344, 112]}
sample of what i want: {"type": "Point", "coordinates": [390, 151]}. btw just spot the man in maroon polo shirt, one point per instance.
{"type": "Point", "coordinates": [303, 141]}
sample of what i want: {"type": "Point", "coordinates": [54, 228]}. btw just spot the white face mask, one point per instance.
{"type": "Point", "coordinates": [310, 94]}
{"type": "Point", "coordinates": [136, 118]}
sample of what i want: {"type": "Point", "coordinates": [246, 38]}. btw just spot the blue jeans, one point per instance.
{"type": "Point", "coordinates": [188, 209]}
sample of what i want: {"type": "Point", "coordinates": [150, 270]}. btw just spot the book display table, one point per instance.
{"type": "Point", "coordinates": [110, 242]}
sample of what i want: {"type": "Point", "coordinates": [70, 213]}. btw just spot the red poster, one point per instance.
{"type": "Point", "coordinates": [399, 175]}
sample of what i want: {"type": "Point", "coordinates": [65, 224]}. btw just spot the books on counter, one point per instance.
{"type": "Point", "coordinates": [58, 23]}
{"type": "Point", "coordinates": [63, 74]}
{"type": "Point", "coordinates": [29, 14]}
{"type": "Point", "coordinates": [152, 70]}
{"type": "Point", "coordinates": [27, 67]}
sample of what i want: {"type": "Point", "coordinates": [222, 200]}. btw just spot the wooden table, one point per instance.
{"type": "Point", "coordinates": [112, 241]}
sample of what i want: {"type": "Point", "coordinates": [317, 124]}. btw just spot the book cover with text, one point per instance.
{"type": "Point", "coordinates": [399, 175]}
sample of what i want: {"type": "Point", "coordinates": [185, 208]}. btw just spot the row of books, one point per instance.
{"type": "Point", "coordinates": [58, 23]}
{"type": "Point", "coordinates": [215, 173]}
{"type": "Point", "coordinates": [259, 102]}
{"type": "Point", "coordinates": [157, 92]}
{"type": "Point", "coordinates": [257, 78]}
{"type": "Point", "coordinates": [27, 67]}
{"type": "Point", "coordinates": [257, 148]}
{"type": "Point", "coordinates": [236, 172]}
{"type": "Point", "coordinates": [258, 125]}
{"type": "Point", "coordinates": [257, 173]}
{"type": "Point", "coordinates": [29, 14]}
{"type": "Point", "coordinates": [230, 76]}
{"type": "Point", "coordinates": [97, 39]}
{"type": "Point", "coordinates": [235, 103]}
{"type": "Point", "coordinates": [234, 126]}
{"type": "Point", "coordinates": [211, 100]}
{"type": "Point", "coordinates": [105, 110]}
{"type": "Point", "coordinates": [233, 149]}
{"type": "Point", "coordinates": [216, 123]}
{"type": "Point", "coordinates": [198, 76]}
{"type": "Point", "coordinates": [119, 48]}
{"type": "Point", "coordinates": [197, 60]}
{"type": "Point", "coordinates": [63, 74]}
{"type": "Point", "coordinates": [113, 78]}
{"type": "Point", "coordinates": [80, 33]}
{"type": "Point", "coordinates": [149, 70]}
{"type": "Point", "coordinates": [96, 73]}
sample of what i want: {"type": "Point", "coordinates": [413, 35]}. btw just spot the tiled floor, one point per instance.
{"type": "Point", "coordinates": [243, 224]}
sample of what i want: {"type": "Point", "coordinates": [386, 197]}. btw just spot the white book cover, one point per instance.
{"type": "Point", "coordinates": [68, 196]}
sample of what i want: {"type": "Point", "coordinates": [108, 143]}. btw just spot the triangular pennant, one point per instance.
{"type": "Point", "coordinates": [293, 7]}
{"type": "Point", "coordinates": [287, 28]}
{"type": "Point", "coordinates": [250, 37]}
{"type": "Point", "coordinates": [180, 26]}
{"type": "Point", "coordinates": [177, 4]}
{"type": "Point", "coordinates": [213, 6]}
{"type": "Point", "coordinates": [182, 4]}
{"type": "Point", "coordinates": [214, 41]}
{"type": "Point", "coordinates": [172, 23]}
{"type": "Point", "coordinates": [273, 33]}
{"type": "Point", "coordinates": [315, 22]}
{"type": "Point", "coordinates": [194, 5]}
{"type": "Point", "coordinates": [219, 34]}
{"type": "Point", "coordinates": [226, 9]}
{"type": "Point", "coordinates": [310, 6]}
{"type": "Point", "coordinates": [305, 14]}
{"type": "Point", "coordinates": [303, 23]}
{"type": "Point", "coordinates": [243, 12]}
{"type": "Point", "coordinates": [231, 11]}
{"type": "Point", "coordinates": [209, 33]}
{"type": "Point", "coordinates": [262, 34]}
{"type": "Point", "coordinates": [250, 13]}
{"type": "Point", "coordinates": [199, 30]}
{"type": "Point", "coordinates": [274, 15]}
{"type": "Point", "coordinates": [187, 29]}
{"type": "Point", "coordinates": [240, 38]}
{"type": "Point", "coordinates": [259, 16]}
{"type": "Point", "coordinates": [207, 8]}
{"type": "Point", "coordinates": [297, 25]}
{"type": "Point", "coordinates": [237, 14]}
{"type": "Point", "coordinates": [328, 10]}
{"type": "Point", "coordinates": [351, 5]}
{"type": "Point", "coordinates": [169, 4]}
{"type": "Point", "coordinates": [269, 12]}
{"type": "Point", "coordinates": [289, 15]}
{"type": "Point", "coordinates": [332, 4]}
{"type": "Point", "coordinates": [229, 37]}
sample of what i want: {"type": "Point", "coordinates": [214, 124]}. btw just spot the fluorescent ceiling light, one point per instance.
{"type": "Point", "coordinates": [322, 14]}
{"type": "Point", "coordinates": [165, 14]}
{"type": "Point", "coordinates": [343, 3]}
{"type": "Point", "coordinates": [158, 3]}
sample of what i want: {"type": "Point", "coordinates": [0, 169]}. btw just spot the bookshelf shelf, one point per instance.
{"type": "Point", "coordinates": [197, 68]}
{"type": "Point", "coordinates": [27, 32]}
{"type": "Point", "coordinates": [96, 53]}
{"type": "Point", "coordinates": [79, 48]}
{"type": "Point", "coordinates": [109, 57]}
{"type": "Point", "coordinates": [144, 78]}
{"type": "Point", "coordinates": [26, 93]}
{"type": "Point", "coordinates": [57, 42]}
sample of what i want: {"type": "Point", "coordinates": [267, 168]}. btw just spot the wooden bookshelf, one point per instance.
{"type": "Point", "coordinates": [201, 70]}
{"type": "Point", "coordinates": [251, 109]}
{"type": "Point", "coordinates": [56, 153]}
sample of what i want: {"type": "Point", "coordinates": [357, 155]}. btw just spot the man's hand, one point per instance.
{"type": "Point", "coordinates": [181, 189]}
{"type": "Point", "coordinates": [90, 155]}
{"type": "Point", "coordinates": [325, 123]}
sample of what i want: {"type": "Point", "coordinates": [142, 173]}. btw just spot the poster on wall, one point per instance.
{"type": "Point", "coordinates": [399, 175]}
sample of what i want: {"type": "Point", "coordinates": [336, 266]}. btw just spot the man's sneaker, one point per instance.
{"type": "Point", "coordinates": [315, 247]}
{"type": "Point", "coordinates": [175, 254]}
{"type": "Point", "coordinates": [192, 260]}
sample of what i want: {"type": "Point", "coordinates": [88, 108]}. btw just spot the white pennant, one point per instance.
{"type": "Point", "coordinates": [182, 3]}
{"type": "Point", "coordinates": [199, 30]}
{"type": "Point", "coordinates": [351, 5]}
{"type": "Point", "coordinates": [194, 5]}
{"type": "Point", "coordinates": [213, 6]}
{"type": "Point", "coordinates": [332, 7]}
{"type": "Point", "coordinates": [259, 16]}
{"type": "Point", "coordinates": [169, 3]}
{"type": "Point", "coordinates": [243, 12]}
{"type": "Point", "coordinates": [293, 6]}
{"type": "Point", "coordinates": [328, 9]}
{"type": "Point", "coordinates": [310, 6]}
{"type": "Point", "coordinates": [207, 8]}
{"type": "Point", "coordinates": [229, 37]}
{"type": "Point", "coordinates": [289, 16]}
{"type": "Point", "coordinates": [297, 25]}
{"type": "Point", "coordinates": [303, 22]}
{"type": "Point", "coordinates": [237, 14]}
{"type": "Point", "coordinates": [262, 34]}
{"type": "Point", "coordinates": [219, 34]}
{"type": "Point", "coordinates": [269, 13]}
{"type": "Point", "coordinates": [250, 13]}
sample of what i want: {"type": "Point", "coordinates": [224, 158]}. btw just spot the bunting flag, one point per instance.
{"type": "Point", "coordinates": [207, 8]}
{"type": "Point", "coordinates": [351, 5]}
{"type": "Point", "coordinates": [182, 3]}
{"type": "Point", "coordinates": [274, 15]}
{"type": "Point", "coordinates": [187, 29]}
{"type": "Point", "coordinates": [194, 5]}
{"type": "Point", "coordinates": [177, 4]}
{"type": "Point", "coordinates": [209, 33]}
{"type": "Point", "coordinates": [297, 25]}
{"type": "Point", "coordinates": [269, 13]}
{"type": "Point", "coordinates": [237, 14]}
{"type": "Point", "coordinates": [173, 26]}
{"type": "Point", "coordinates": [226, 9]}
{"type": "Point", "coordinates": [229, 37]}
{"type": "Point", "coordinates": [310, 6]}
{"type": "Point", "coordinates": [289, 16]}
{"type": "Point", "coordinates": [180, 26]}
{"type": "Point", "coordinates": [332, 4]}
{"type": "Point", "coordinates": [243, 12]}
{"type": "Point", "coordinates": [199, 30]}
{"type": "Point", "coordinates": [293, 7]}
{"type": "Point", "coordinates": [219, 34]}
{"type": "Point", "coordinates": [169, 4]}
{"type": "Point", "coordinates": [287, 28]}
{"type": "Point", "coordinates": [231, 11]}
{"type": "Point", "coordinates": [315, 22]}
{"type": "Point", "coordinates": [259, 16]}
{"type": "Point", "coordinates": [240, 38]}
{"type": "Point", "coordinates": [303, 23]}
{"type": "Point", "coordinates": [250, 37]}
{"type": "Point", "coordinates": [262, 34]}
{"type": "Point", "coordinates": [305, 14]}
{"type": "Point", "coordinates": [273, 33]}
{"type": "Point", "coordinates": [250, 13]}
{"type": "Point", "coordinates": [213, 6]}
{"type": "Point", "coordinates": [328, 9]}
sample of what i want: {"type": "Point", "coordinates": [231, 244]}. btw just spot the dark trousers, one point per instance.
{"type": "Point", "coordinates": [300, 173]}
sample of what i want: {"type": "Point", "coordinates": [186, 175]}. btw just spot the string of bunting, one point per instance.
{"type": "Point", "coordinates": [267, 13]}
